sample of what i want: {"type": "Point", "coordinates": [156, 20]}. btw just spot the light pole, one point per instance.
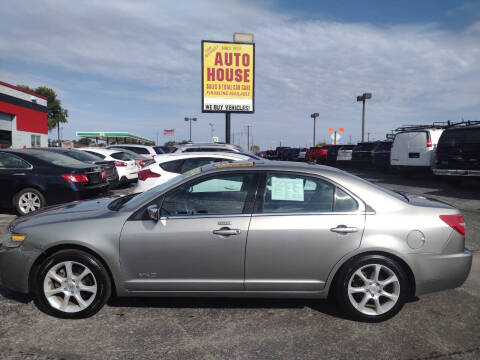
{"type": "Point", "coordinates": [362, 98]}
{"type": "Point", "coordinates": [212, 129]}
{"type": "Point", "coordinates": [314, 117]}
{"type": "Point", "coordinates": [191, 119]}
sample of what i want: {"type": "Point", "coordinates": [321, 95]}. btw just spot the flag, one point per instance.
{"type": "Point", "coordinates": [170, 132]}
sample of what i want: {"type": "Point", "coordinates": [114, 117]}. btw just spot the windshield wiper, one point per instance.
{"type": "Point", "coordinates": [116, 204]}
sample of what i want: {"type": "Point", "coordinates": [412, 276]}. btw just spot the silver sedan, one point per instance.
{"type": "Point", "coordinates": [241, 230]}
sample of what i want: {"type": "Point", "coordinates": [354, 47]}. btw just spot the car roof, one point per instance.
{"type": "Point", "coordinates": [130, 145]}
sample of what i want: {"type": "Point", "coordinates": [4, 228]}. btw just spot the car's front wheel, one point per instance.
{"type": "Point", "coordinates": [28, 200]}
{"type": "Point", "coordinates": [72, 284]}
{"type": "Point", "coordinates": [372, 288]}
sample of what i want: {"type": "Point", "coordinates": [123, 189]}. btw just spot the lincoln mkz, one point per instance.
{"type": "Point", "coordinates": [245, 229]}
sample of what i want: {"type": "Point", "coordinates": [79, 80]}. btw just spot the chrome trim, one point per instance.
{"type": "Point", "coordinates": [204, 216]}
{"type": "Point", "coordinates": [456, 172]}
{"type": "Point", "coordinates": [312, 213]}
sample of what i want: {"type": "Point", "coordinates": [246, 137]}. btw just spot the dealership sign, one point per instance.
{"type": "Point", "coordinates": [228, 77]}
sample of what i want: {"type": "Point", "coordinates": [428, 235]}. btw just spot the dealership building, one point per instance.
{"type": "Point", "coordinates": [23, 118]}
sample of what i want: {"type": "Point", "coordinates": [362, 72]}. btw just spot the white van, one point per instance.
{"type": "Point", "coordinates": [415, 149]}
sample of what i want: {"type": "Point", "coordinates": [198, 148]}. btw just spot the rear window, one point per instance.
{"type": "Point", "coordinates": [121, 156]}
{"type": "Point", "coordinates": [138, 150]}
{"type": "Point", "coordinates": [97, 155]}
{"type": "Point", "coordinates": [456, 137]}
{"type": "Point", "coordinates": [172, 166]}
{"type": "Point", "coordinates": [81, 155]}
{"type": "Point", "coordinates": [347, 147]}
{"type": "Point", "coordinates": [158, 150]}
{"type": "Point", "coordinates": [57, 159]}
{"type": "Point", "coordinates": [364, 147]}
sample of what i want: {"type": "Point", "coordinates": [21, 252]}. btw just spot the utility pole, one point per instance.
{"type": "Point", "coordinates": [314, 117]}
{"type": "Point", "coordinates": [368, 137]}
{"type": "Point", "coordinates": [248, 137]}
{"type": "Point", "coordinates": [212, 129]}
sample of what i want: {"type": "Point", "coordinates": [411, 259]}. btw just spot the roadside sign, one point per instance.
{"type": "Point", "coordinates": [333, 137]}
{"type": "Point", "coordinates": [341, 129]}
{"type": "Point", "coordinates": [330, 129]}
{"type": "Point", "coordinates": [228, 77]}
{"type": "Point", "coordinates": [215, 139]}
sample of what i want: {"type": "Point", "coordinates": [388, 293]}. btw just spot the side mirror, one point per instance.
{"type": "Point", "coordinates": [153, 212]}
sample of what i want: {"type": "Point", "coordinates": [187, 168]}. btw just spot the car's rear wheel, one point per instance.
{"type": "Point", "coordinates": [28, 200]}
{"type": "Point", "coordinates": [72, 284]}
{"type": "Point", "coordinates": [371, 288]}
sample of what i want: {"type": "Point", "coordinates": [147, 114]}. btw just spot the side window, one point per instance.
{"type": "Point", "coordinates": [344, 202]}
{"type": "Point", "coordinates": [96, 154]}
{"type": "Point", "coordinates": [219, 195]}
{"type": "Point", "coordinates": [9, 161]}
{"type": "Point", "coordinates": [172, 166]}
{"type": "Point", "coordinates": [295, 193]}
{"type": "Point", "coordinates": [190, 164]}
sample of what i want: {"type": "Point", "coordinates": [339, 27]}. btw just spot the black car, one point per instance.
{"type": "Point", "coordinates": [332, 152]}
{"type": "Point", "coordinates": [32, 179]}
{"type": "Point", "coordinates": [278, 152]}
{"type": "Point", "coordinates": [381, 155]}
{"type": "Point", "coordinates": [83, 156]}
{"type": "Point", "coordinates": [289, 154]}
{"type": "Point", "coordinates": [362, 154]}
{"type": "Point", "coordinates": [458, 152]}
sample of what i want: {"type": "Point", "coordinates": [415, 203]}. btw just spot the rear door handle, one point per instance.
{"type": "Point", "coordinates": [342, 229]}
{"type": "Point", "coordinates": [227, 232]}
{"type": "Point", "coordinates": [19, 174]}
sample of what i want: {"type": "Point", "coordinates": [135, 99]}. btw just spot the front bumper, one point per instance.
{"type": "Point", "coordinates": [456, 172]}
{"type": "Point", "coordinates": [15, 265]}
{"type": "Point", "coordinates": [440, 272]}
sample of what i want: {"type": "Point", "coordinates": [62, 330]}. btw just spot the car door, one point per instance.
{"type": "Point", "coordinates": [13, 172]}
{"type": "Point", "coordinates": [301, 227]}
{"type": "Point", "coordinates": [198, 244]}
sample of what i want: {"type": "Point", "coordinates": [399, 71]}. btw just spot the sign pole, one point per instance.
{"type": "Point", "coordinates": [227, 128]}
{"type": "Point", "coordinates": [363, 120]}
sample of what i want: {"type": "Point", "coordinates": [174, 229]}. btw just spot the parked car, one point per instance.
{"type": "Point", "coordinates": [289, 154]}
{"type": "Point", "coordinates": [332, 152]}
{"type": "Point", "coordinates": [381, 155]}
{"type": "Point", "coordinates": [414, 148]}
{"type": "Point", "coordinates": [169, 166]}
{"type": "Point", "coordinates": [140, 160]}
{"type": "Point", "coordinates": [270, 154]}
{"type": "Point", "coordinates": [317, 154]}
{"type": "Point", "coordinates": [362, 154]}
{"type": "Point", "coordinates": [458, 152]}
{"type": "Point", "coordinates": [302, 155]}
{"type": "Point", "coordinates": [207, 147]}
{"type": "Point", "coordinates": [107, 166]}
{"type": "Point", "coordinates": [126, 166]}
{"type": "Point", "coordinates": [31, 179]}
{"type": "Point", "coordinates": [313, 231]}
{"type": "Point", "coordinates": [344, 155]}
{"type": "Point", "coordinates": [150, 151]}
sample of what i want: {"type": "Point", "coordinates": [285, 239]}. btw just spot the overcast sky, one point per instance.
{"type": "Point", "coordinates": [135, 65]}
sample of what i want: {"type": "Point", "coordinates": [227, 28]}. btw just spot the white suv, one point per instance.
{"type": "Point", "coordinates": [208, 147]}
{"type": "Point", "coordinates": [150, 151]}
{"type": "Point", "coordinates": [171, 165]}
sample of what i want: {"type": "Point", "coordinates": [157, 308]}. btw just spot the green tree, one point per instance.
{"type": "Point", "coordinates": [84, 141]}
{"type": "Point", "coordinates": [56, 113]}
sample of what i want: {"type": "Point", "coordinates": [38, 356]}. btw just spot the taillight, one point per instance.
{"type": "Point", "coordinates": [119, 164]}
{"type": "Point", "coordinates": [429, 142]}
{"type": "Point", "coordinates": [104, 175]}
{"type": "Point", "coordinates": [436, 158]}
{"type": "Point", "coordinates": [456, 222]}
{"type": "Point", "coordinates": [147, 173]}
{"type": "Point", "coordinates": [323, 151]}
{"type": "Point", "coordinates": [141, 162]}
{"type": "Point", "coordinates": [75, 178]}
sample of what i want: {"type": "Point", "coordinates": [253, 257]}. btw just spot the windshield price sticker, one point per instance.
{"type": "Point", "coordinates": [287, 189]}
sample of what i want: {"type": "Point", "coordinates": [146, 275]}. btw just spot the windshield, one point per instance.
{"type": "Point", "coordinates": [157, 190]}
{"type": "Point", "coordinates": [121, 156]}
{"type": "Point", "coordinates": [81, 155]}
{"type": "Point", "coordinates": [57, 159]}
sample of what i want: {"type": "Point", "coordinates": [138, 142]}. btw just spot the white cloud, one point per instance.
{"type": "Point", "coordinates": [417, 73]}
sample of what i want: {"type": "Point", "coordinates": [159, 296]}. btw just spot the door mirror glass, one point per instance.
{"type": "Point", "coordinates": [152, 211]}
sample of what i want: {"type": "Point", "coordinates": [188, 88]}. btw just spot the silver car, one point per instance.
{"type": "Point", "coordinates": [245, 229]}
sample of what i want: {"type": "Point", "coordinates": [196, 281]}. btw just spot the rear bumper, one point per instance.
{"type": "Point", "coordinates": [456, 172]}
{"type": "Point", "coordinates": [440, 272]}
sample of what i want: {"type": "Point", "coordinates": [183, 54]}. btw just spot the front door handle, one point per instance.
{"type": "Point", "coordinates": [227, 232]}
{"type": "Point", "coordinates": [343, 229]}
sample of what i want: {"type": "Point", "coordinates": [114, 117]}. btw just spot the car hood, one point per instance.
{"type": "Point", "coordinates": [74, 211]}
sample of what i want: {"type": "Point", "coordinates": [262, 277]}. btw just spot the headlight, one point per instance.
{"type": "Point", "coordinates": [15, 240]}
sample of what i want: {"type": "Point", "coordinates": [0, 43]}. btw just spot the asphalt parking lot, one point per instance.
{"type": "Point", "coordinates": [443, 325]}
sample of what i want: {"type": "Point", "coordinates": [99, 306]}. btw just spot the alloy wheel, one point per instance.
{"type": "Point", "coordinates": [70, 286]}
{"type": "Point", "coordinates": [373, 289]}
{"type": "Point", "coordinates": [29, 202]}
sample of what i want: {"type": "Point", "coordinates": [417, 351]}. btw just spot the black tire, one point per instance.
{"type": "Point", "coordinates": [101, 278]}
{"type": "Point", "coordinates": [18, 196]}
{"type": "Point", "coordinates": [341, 285]}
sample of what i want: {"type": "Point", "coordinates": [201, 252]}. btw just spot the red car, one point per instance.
{"type": "Point", "coordinates": [317, 154]}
